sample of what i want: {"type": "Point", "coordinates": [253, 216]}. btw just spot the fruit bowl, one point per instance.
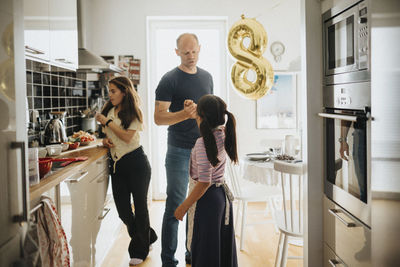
{"type": "Point", "coordinates": [44, 166]}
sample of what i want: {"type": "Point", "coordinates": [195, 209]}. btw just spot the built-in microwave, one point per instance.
{"type": "Point", "coordinates": [346, 34]}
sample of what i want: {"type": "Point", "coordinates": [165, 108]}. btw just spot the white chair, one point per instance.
{"type": "Point", "coordinates": [290, 217]}
{"type": "Point", "coordinates": [245, 192]}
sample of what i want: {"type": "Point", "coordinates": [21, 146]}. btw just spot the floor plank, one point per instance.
{"type": "Point", "coordinates": [259, 248]}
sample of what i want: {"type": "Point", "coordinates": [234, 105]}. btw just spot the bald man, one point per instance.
{"type": "Point", "coordinates": [176, 98]}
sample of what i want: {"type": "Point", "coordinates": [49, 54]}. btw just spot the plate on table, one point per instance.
{"type": "Point", "coordinates": [257, 156]}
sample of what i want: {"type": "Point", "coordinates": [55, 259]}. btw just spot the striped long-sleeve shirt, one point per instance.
{"type": "Point", "coordinates": [200, 167]}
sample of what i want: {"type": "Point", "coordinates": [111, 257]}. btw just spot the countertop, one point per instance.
{"type": "Point", "coordinates": [93, 151]}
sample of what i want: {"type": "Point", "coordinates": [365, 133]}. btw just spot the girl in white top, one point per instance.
{"type": "Point", "coordinates": [122, 120]}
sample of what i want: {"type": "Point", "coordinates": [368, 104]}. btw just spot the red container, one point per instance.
{"type": "Point", "coordinates": [44, 166]}
{"type": "Point", "coordinates": [74, 145]}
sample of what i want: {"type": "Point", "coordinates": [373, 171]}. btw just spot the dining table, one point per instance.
{"type": "Point", "coordinates": [259, 171]}
{"type": "Point", "coordinates": [259, 168]}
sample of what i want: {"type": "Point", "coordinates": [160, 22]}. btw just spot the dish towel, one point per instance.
{"type": "Point", "coordinates": [53, 244]}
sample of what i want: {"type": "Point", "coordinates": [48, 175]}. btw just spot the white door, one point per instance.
{"type": "Point", "coordinates": [13, 190]}
{"type": "Point", "coordinates": [161, 57]}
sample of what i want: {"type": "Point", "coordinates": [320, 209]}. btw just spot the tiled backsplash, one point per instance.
{"type": "Point", "coordinates": [50, 88]}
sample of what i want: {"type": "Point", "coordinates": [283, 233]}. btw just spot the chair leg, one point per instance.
{"type": "Point", "coordinates": [273, 213]}
{"type": "Point", "coordinates": [284, 251]}
{"type": "Point", "coordinates": [238, 203]}
{"type": "Point", "coordinates": [243, 224]}
{"type": "Point", "coordinates": [278, 251]}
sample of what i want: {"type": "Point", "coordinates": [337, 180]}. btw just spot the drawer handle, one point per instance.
{"type": "Point", "coordinates": [335, 212]}
{"type": "Point", "coordinates": [335, 262]}
{"type": "Point", "coordinates": [33, 50]}
{"type": "Point", "coordinates": [83, 174]}
{"type": "Point", "coordinates": [107, 210]}
{"type": "Point", "coordinates": [102, 180]}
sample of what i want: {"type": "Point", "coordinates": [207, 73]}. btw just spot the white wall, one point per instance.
{"type": "Point", "coordinates": [119, 27]}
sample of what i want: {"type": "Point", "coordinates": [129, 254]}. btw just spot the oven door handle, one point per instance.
{"type": "Point", "coordinates": [339, 117]}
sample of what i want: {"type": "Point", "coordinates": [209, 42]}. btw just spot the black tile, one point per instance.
{"type": "Point", "coordinates": [62, 102]}
{"type": "Point", "coordinates": [37, 102]}
{"type": "Point", "coordinates": [46, 91]}
{"type": "Point", "coordinates": [36, 66]}
{"type": "Point", "coordinates": [37, 90]}
{"type": "Point", "coordinates": [54, 80]}
{"type": "Point", "coordinates": [30, 102]}
{"type": "Point", "coordinates": [28, 77]}
{"type": "Point", "coordinates": [37, 78]}
{"type": "Point", "coordinates": [54, 91]}
{"type": "Point", "coordinates": [62, 92]}
{"type": "Point", "coordinates": [82, 102]}
{"type": "Point", "coordinates": [69, 121]}
{"type": "Point", "coordinates": [29, 89]}
{"type": "Point", "coordinates": [68, 102]}
{"type": "Point", "coordinates": [46, 102]}
{"type": "Point", "coordinates": [68, 92]}
{"type": "Point", "coordinates": [54, 102]}
{"type": "Point", "coordinates": [46, 79]}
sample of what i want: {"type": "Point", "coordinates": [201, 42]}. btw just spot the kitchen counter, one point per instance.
{"type": "Point", "coordinates": [94, 151]}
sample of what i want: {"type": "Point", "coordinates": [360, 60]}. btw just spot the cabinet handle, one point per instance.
{"type": "Point", "coordinates": [334, 262]}
{"type": "Point", "coordinates": [335, 212]}
{"type": "Point", "coordinates": [63, 60]}
{"type": "Point", "coordinates": [83, 174]}
{"type": "Point", "coordinates": [33, 50]}
{"type": "Point", "coordinates": [24, 216]}
{"type": "Point", "coordinates": [107, 210]}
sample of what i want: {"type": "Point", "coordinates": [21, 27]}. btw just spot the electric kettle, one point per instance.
{"type": "Point", "coordinates": [54, 132]}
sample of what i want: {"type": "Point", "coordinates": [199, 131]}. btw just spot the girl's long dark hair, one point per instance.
{"type": "Point", "coordinates": [212, 110]}
{"type": "Point", "coordinates": [130, 105]}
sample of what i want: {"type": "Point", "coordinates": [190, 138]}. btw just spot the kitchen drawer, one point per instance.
{"type": "Point", "coordinates": [105, 229]}
{"type": "Point", "coordinates": [101, 164]}
{"type": "Point", "coordinates": [346, 236]}
{"type": "Point", "coordinates": [98, 188]}
{"type": "Point", "coordinates": [331, 259]}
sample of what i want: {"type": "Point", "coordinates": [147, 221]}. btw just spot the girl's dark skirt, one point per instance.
{"type": "Point", "coordinates": [213, 243]}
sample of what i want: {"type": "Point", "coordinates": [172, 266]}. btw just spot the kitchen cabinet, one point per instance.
{"type": "Point", "coordinates": [347, 237]}
{"type": "Point", "coordinates": [51, 32]}
{"type": "Point", "coordinates": [88, 214]}
{"type": "Point", "coordinates": [63, 33]}
{"type": "Point", "coordinates": [37, 30]}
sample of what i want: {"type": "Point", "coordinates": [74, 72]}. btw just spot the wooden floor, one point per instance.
{"type": "Point", "coordinates": [259, 246]}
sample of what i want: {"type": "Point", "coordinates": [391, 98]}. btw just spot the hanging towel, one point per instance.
{"type": "Point", "coordinates": [53, 242]}
{"type": "Point", "coordinates": [31, 249]}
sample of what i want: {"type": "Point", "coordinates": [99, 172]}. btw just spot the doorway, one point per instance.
{"type": "Point", "coordinates": [161, 43]}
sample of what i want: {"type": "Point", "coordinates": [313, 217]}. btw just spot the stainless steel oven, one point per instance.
{"type": "Point", "coordinates": [347, 147]}
{"type": "Point", "coordinates": [346, 43]}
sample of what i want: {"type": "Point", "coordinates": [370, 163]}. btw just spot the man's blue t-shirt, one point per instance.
{"type": "Point", "coordinates": [176, 86]}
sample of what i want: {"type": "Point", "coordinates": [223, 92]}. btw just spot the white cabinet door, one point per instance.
{"type": "Point", "coordinates": [77, 221]}
{"type": "Point", "coordinates": [63, 33]}
{"type": "Point", "coordinates": [36, 29]}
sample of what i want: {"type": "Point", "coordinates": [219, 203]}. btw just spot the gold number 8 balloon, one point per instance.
{"type": "Point", "coordinates": [250, 58]}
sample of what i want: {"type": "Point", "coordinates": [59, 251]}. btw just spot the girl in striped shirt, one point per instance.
{"type": "Point", "coordinates": [213, 237]}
